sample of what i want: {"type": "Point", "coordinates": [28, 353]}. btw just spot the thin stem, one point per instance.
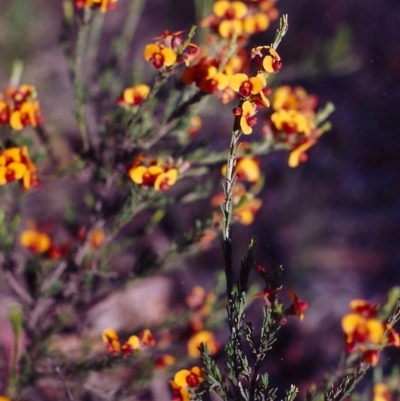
{"type": "Point", "coordinates": [281, 31]}
{"type": "Point", "coordinates": [226, 207]}
{"type": "Point", "coordinates": [83, 34]}
{"type": "Point", "coordinates": [230, 178]}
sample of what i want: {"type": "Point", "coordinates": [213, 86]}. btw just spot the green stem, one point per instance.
{"type": "Point", "coordinates": [83, 34]}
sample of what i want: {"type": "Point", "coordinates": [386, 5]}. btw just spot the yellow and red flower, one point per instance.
{"type": "Point", "coordinates": [15, 165]}
{"type": "Point", "coordinates": [246, 86]}
{"type": "Point", "coordinates": [35, 241]}
{"type": "Point", "coordinates": [381, 392]}
{"type": "Point", "coordinates": [102, 5]}
{"type": "Point", "coordinates": [39, 241]}
{"type": "Point", "coordinates": [202, 337]}
{"type": "Point", "coordinates": [153, 173]}
{"type": "Point", "coordinates": [160, 57]}
{"type": "Point", "coordinates": [227, 19]}
{"type": "Point", "coordinates": [365, 333]}
{"type": "Point", "coordinates": [20, 108]}
{"type": "Point", "coordinates": [266, 58]}
{"type": "Point", "coordinates": [133, 343]}
{"type": "Point", "coordinates": [296, 98]}
{"type": "Point", "coordinates": [134, 96]}
{"type": "Point", "coordinates": [246, 117]}
{"type": "Point", "coordinates": [185, 380]}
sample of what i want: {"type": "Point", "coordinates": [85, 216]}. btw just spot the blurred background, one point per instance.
{"type": "Point", "coordinates": [334, 221]}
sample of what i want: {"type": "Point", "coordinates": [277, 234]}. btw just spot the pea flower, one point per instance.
{"type": "Point", "coordinates": [246, 117]}
{"type": "Point", "coordinates": [246, 86]}
{"type": "Point", "coordinates": [154, 173]}
{"type": "Point", "coordinates": [381, 392]}
{"type": "Point", "coordinates": [295, 98]}
{"type": "Point", "coordinates": [184, 381]}
{"type": "Point", "coordinates": [133, 96]}
{"type": "Point", "coordinates": [202, 337]}
{"type": "Point", "coordinates": [256, 23]}
{"type": "Point", "coordinates": [102, 5]}
{"type": "Point", "coordinates": [20, 107]}
{"type": "Point", "coordinates": [206, 75]}
{"type": "Point", "coordinates": [15, 165]}
{"type": "Point", "coordinates": [38, 241]}
{"type": "Point", "coordinates": [160, 57]}
{"type": "Point", "coordinates": [227, 18]}
{"type": "Point", "coordinates": [133, 343]}
{"type": "Point", "coordinates": [365, 333]}
{"type": "Point", "coordinates": [266, 58]}
{"type": "Point", "coordinates": [35, 241]}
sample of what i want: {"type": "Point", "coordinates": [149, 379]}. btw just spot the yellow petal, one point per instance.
{"type": "Point", "coordinates": [109, 335]}
{"type": "Point", "coordinates": [169, 56]}
{"type": "Point", "coordinates": [295, 154]}
{"type": "Point", "coordinates": [180, 377]}
{"type": "Point", "coordinates": [150, 50]}
{"type": "Point", "coordinates": [237, 80]}
{"type": "Point", "coordinates": [136, 174]}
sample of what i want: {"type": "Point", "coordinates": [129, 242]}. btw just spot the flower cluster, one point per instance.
{"type": "Point", "coordinates": [38, 241]}
{"type": "Point", "coordinates": [102, 5]}
{"type": "Point", "coordinates": [207, 75]}
{"type": "Point", "coordinates": [170, 48]}
{"type": "Point", "coordinates": [366, 333]}
{"type": "Point", "coordinates": [293, 121]}
{"type": "Point", "coordinates": [20, 108]}
{"type": "Point", "coordinates": [133, 96]}
{"type": "Point", "coordinates": [153, 173]}
{"type": "Point", "coordinates": [114, 346]}
{"type": "Point", "coordinates": [186, 381]}
{"type": "Point", "coordinates": [240, 19]}
{"type": "Point", "coordinates": [15, 165]}
{"type": "Point", "coordinates": [200, 303]}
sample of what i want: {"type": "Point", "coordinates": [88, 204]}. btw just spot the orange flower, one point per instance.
{"type": "Point", "coordinates": [287, 97]}
{"type": "Point", "coordinates": [247, 119]}
{"type": "Point", "coordinates": [134, 96]}
{"type": "Point", "coordinates": [35, 241]}
{"type": "Point", "coordinates": [202, 337]}
{"type": "Point", "coordinates": [247, 168]}
{"type": "Point", "coordinates": [134, 343]}
{"type": "Point", "coordinates": [4, 112]}
{"type": "Point", "coordinates": [247, 210]}
{"type": "Point", "coordinates": [21, 107]}
{"type": "Point", "coordinates": [160, 57]}
{"type": "Point", "coordinates": [102, 5]}
{"type": "Point", "coordinates": [227, 19]}
{"type": "Point", "coordinates": [266, 58]}
{"type": "Point", "coordinates": [189, 378]}
{"type": "Point", "coordinates": [246, 86]}
{"type": "Point", "coordinates": [110, 337]}
{"type": "Point", "coordinates": [291, 121]}
{"type": "Point", "coordinates": [381, 392]}
{"type": "Point", "coordinates": [256, 23]}
{"type": "Point", "coordinates": [298, 154]}
{"type": "Point", "coordinates": [366, 333]}
{"type": "Point", "coordinates": [159, 176]}
{"type": "Point", "coordinates": [97, 238]}
{"type": "Point", "coordinates": [164, 361]}
{"type": "Point", "coordinates": [166, 179]}
{"type": "Point", "coordinates": [15, 165]}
